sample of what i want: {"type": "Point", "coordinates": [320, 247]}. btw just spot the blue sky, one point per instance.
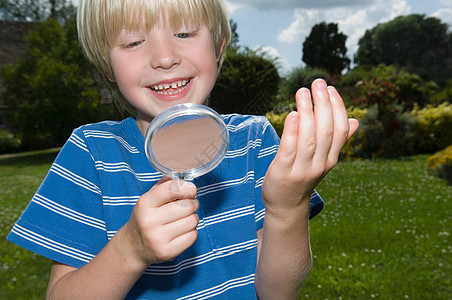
{"type": "Point", "coordinates": [279, 27]}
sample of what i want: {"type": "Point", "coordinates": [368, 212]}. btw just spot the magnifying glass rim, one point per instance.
{"type": "Point", "coordinates": [186, 109]}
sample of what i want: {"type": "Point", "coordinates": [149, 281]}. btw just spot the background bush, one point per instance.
{"type": "Point", "coordinates": [434, 127]}
{"type": "Point", "coordinates": [420, 131]}
{"type": "Point", "coordinates": [440, 164]}
{"type": "Point", "coordinates": [51, 89]}
{"type": "Point", "coordinates": [9, 143]}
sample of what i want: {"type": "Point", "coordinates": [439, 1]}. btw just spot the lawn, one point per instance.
{"type": "Point", "coordinates": [384, 232]}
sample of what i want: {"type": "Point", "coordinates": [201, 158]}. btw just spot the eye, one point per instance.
{"type": "Point", "coordinates": [183, 35]}
{"type": "Point", "coordinates": [186, 35]}
{"type": "Point", "coordinates": [133, 44]}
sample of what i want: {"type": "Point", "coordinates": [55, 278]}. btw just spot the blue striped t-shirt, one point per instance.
{"type": "Point", "coordinates": [100, 173]}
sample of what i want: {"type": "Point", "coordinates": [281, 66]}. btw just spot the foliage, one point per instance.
{"type": "Point", "coordinates": [383, 133]}
{"type": "Point", "coordinates": [247, 84]}
{"type": "Point", "coordinates": [325, 48]}
{"type": "Point", "coordinates": [386, 130]}
{"type": "Point", "coordinates": [234, 34]}
{"type": "Point", "coordinates": [440, 164]}
{"type": "Point", "coordinates": [419, 44]}
{"type": "Point", "coordinates": [444, 95]}
{"type": "Point", "coordinates": [32, 10]}
{"type": "Point", "coordinates": [9, 143]}
{"type": "Point", "coordinates": [433, 130]}
{"type": "Point", "coordinates": [410, 88]}
{"type": "Point", "coordinates": [50, 89]}
{"type": "Point", "coordinates": [277, 120]}
{"type": "Point", "coordinates": [384, 232]}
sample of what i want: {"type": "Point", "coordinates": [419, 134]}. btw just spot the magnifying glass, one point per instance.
{"type": "Point", "coordinates": [186, 141]}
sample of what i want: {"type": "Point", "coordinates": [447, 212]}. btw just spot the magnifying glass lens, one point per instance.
{"type": "Point", "coordinates": [186, 141]}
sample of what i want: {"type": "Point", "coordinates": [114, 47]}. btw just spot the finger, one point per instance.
{"type": "Point", "coordinates": [324, 122]}
{"type": "Point", "coordinates": [184, 241]}
{"type": "Point", "coordinates": [306, 129]}
{"type": "Point", "coordinates": [167, 190]}
{"type": "Point", "coordinates": [353, 125]}
{"type": "Point", "coordinates": [178, 209]}
{"type": "Point", "coordinates": [341, 124]}
{"type": "Point", "coordinates": [288, 145]}
{"type": "Point", "coordinates": [181, 226]}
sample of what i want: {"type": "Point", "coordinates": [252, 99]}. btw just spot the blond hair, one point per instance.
{"type": "Point", "coordinates": [100, 21]}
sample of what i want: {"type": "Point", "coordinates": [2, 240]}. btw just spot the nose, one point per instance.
{"type": "Point", "coordinates": [164, 53]}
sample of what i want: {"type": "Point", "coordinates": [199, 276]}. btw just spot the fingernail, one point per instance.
{"type": "Point", "coordinates": [322, 85]}
{"type": "Point", "coordinates": [191, 185]}
{"type": "Point", "coordinates": [293, 117]}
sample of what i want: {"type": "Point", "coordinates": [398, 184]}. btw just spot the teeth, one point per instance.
{"type": "Point", "coordinates": [173, 85]}
{"type": "Point", "coordinates": [162, 87]}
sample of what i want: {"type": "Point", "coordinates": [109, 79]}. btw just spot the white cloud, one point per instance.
{"type": "Point", "coordinates": [233, 7]}
{"type": "Point", "coordinates": [351, 22]}
{"type": "Point", "coordinates": [444, 14]}
{"type": "Point", "coordinates": [273, 53]}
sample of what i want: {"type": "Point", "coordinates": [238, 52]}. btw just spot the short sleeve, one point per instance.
{"type": "Point", "coordinates": [64, 220]}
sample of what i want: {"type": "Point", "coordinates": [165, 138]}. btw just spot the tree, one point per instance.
{"type": "Point", "coordinates": [234, 34]}
{"type": "Point", "coordinates": [32, 10]}
{"type": "Point", "coordinates": [50, 90]}
{"type": "Point", "coordinates": [325, 48]}
{"type": "Point", "coordinates": [418, 44]}
{"type": "Point", "coordinates": [247, 84]}
{"type": "Point", "coordinates": [297, 78]}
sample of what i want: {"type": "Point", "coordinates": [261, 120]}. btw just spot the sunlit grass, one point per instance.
{"type": "Point", "coordinates": [384, 232]}
{"type": "Point", "coordinates": [23, 274]}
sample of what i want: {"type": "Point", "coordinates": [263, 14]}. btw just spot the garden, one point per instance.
{"type": "Point", "coordinates": [385, 229]}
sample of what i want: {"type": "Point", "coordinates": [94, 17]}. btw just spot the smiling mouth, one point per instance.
{"type": "Point", "coordinates": [170, 89]}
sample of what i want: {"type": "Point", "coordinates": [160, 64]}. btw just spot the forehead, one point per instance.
{"type": "Point", "coordinates": [145, 14]}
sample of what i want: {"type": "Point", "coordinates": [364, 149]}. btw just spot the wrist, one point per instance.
{"type": "Point", "coordinates": [285, 218]}
{"type": "Point", "coordinates": [295, 209]}
{"type": "Point", "coordinates": [129, 250]}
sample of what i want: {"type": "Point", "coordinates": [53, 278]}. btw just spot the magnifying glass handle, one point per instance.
{"type": "Point", "coordinates": [184, 178]}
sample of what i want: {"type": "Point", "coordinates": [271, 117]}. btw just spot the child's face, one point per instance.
{"type": "Point", "coordinates": [163, 67]}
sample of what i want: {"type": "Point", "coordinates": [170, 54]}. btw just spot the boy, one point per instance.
{"type": "Point", "coordinates": [116, 229]}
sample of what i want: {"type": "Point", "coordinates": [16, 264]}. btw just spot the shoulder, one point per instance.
{"type": "Point", "coordinates": [115, 127]}
{"type": "Point", "coordinates": [236, 122]}
{"type": "Point", "coordinates": [112, 135]}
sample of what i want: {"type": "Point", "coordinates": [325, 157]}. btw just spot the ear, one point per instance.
{"type": "Point", "coordinates": [110, 78]}
{"type": "Point", "coordinates": [223, 44]}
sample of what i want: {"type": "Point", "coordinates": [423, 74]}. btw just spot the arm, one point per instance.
{"type": "Point", "coordinates": [162, 225]}
{"type": "Point", "coordinates": [309, 149]}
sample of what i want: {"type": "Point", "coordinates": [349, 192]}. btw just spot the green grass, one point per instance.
{"type": "Point", "coordinates": [384, 232]}
{"type": "Point", "coordinates": [23, 274]}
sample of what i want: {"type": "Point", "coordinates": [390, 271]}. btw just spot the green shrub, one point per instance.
{"type": "Point", "coordinates": [388, 135]}
{"type": "Point", "coordinates": [9, 143]}
{"type": "Point", "coordinates": [440, 164]}
{"type": "Point", "coordinates": [409, 88]}
{"type": "Point", "coordinates": [434, 127]}
{"type": "Point", "coordinates": [277, 120]}
{"type": "Point", "coordinates": [444, 95]}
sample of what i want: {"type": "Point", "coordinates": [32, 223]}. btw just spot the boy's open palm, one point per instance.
{"type": "Point", "coordinates": [310, 146]}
